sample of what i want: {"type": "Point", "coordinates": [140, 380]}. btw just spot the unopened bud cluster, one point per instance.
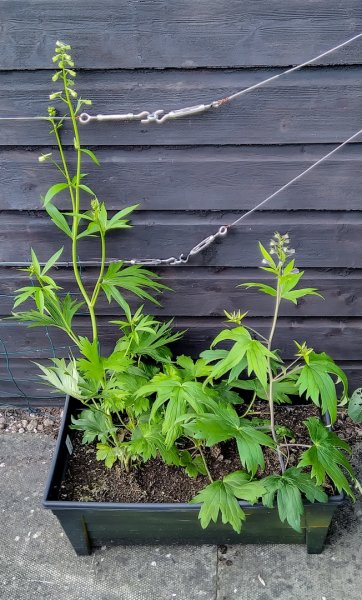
{"type": "Point", "coordinates": [66, 74]}
{"type": "Point", "coordinates": [279, 245]}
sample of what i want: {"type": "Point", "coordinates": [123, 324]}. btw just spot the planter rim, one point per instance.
{"type": "Point", "coordinates": [149, 506]}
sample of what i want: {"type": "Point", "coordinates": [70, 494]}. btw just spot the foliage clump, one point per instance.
{"type": "Point", "coordinates": [141, 402]}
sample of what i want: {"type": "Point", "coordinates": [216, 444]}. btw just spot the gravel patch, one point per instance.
{"type": "Point", "coordinates": [25, 421]}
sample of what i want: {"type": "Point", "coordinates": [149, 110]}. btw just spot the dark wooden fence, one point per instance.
{"type": "Point", "coordinates": [192, 175]}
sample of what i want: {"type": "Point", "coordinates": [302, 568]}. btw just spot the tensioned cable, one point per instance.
{"type": "Point", "coordinates": [221, 232]}
{"type": "Point", "coordinates": [147, 117]}
{"type": "Point", "coordinates": [159, 117]}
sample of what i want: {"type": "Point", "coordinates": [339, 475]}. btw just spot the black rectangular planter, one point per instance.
{"type": "Point", "coordinates": [92, 524]}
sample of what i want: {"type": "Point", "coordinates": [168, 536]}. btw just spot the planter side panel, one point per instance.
{"type": "Point", "coordinates": [177, 526]}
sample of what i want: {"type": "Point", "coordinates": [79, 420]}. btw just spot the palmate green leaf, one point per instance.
{"type": "Point", "coordinates": [106, 453]}
{"type": "Point", "coordinates": [290, 504]}
{"type": "Point", "coordinates": [135, 279]}
{"type": "Point", "coordinates": [59, 312]}
{"type": "Point", "coordinates": [23, 294]}
{"type": "Point", "coordinates": [224, 392]}
{"type": "Point", "coordinates": [244, 488]}
{"type": "Point", "coordinates": [294, 295]}
{"type": "Point", "coordinates": [288, 281]}
{"type": "Point", "coordinates": [355, 406]}
{"type": "Point", "coordinates": [176, 407]}
{"type": "Point", "coordinates": [117, 362]}
{"type": "Point", "coordinates": [63, 377]}
{"type": "Point", "coordinates": [246, 352]}
{"type": "Point", "coordinates": [91, 230]}
{"type": "Point", "coordinates": [315, 381]}
{"type": "Point", "coordinates": [218, 498]}
{"type": "Point", "coordinates": [289, 488]}
{"type": "Point", "coordinates": [94, 424]}
{"type": "Point", "coordinates": [33, 318]}
{"type": "Point", "coordinates": [225, 424]}
{"type": "Point", "coordinates": [233, 335]}
{"type": "Point", "coordinates": [92, 363]}
{"type": "Point", "coordinates": [281, 389]}
{"type": "Point", "coordinates": [210, 429]}
{"type": "Point", "coordinates": [193, 466]}
{"type": "Point", "coordinates": [118, 221]}
{"type": "Point", "coordinates": [178, 396]}
{"type": "Point", "coordinates": [193, 370]}
{"type": "Point", "coordinates": [325, 457]}
{"type": "Point", "coordinates": [256, 355]}
{"type": "Point", "coordinates": [148, 442]}
{"type": "Point", "coordinates": [113, 399]}
{"type": "Point", "coordinates": [249, 441]}
{"type": "Point", "coordinates": [221, 497]}
{"type": "Point", "coordinates": [152, 342]}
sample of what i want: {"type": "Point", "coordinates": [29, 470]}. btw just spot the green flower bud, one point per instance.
{"type": "Point", "coordinates": [44, 157]}
{"type": "Point", "coordinates": [95, 204]}
{"type": "Point", "coordinates": [52, 111]}
{"type": "Point", "coordinates": [73, 93]}
{"type": "Point", "coordinates": [60, 46]}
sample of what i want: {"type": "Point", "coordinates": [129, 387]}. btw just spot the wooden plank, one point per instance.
{"type": "Point", "coordinates": [321, 239]}
{"type": "Point", "coordinates": [313, 106]}
{"type": "Point", "coordinates": [153, 33]}
{"type": "Point", "coordinates": [342, 291]}
{"type": "Point", "coordinates": [198, 178]}
{"type": "Point", "coordinates": [339, 337]}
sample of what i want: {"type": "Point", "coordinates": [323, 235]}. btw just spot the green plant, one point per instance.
{"type": "Point", "coordinates": [355, 406]}
{"type": "Point", "coordinates": [141, 403]}
{"type": "Point", "coordinates": [203, 407]}
{"type": "Point", "coordinates": [106, 385]}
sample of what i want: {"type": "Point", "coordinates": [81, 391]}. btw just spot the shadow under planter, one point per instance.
{"type": "Point", "coordinates": [92, 524]}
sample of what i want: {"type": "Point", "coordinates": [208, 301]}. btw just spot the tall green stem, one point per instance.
{"type": "Point", "coordinates": [76, 207]}
{"type": "Point", "coordinates": [271, 379]}
{"type": "Point", "coordinates": [97, 286]}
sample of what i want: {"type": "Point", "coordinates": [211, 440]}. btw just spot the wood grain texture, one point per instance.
{"type": "Point", "coordinates": [321, 239]}
{"type": "Point", "coordinates": [157, 33]}
{"type": "Point", "coordinates": [195, 178]}
{"type": "Point", "coordinates": [193, 175]}
{"type": "Point", "coordinates": [341, 338]}
{"type": "Point", "coordinates": [314, 106]}
{"type": "Point", "coordinates": [341, 289]}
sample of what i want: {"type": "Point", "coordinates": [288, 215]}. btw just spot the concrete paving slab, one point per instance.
{"type": "Point", "coordinates": [37, 562]}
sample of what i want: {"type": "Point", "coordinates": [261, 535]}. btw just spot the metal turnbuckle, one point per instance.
{"type": "Point", "coordinates": [208, 240]}
{"type": "Point", "coordinates": [159, 117]}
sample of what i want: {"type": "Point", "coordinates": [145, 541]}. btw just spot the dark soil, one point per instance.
{"type": "Point", "coordinates": [89, 480]}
